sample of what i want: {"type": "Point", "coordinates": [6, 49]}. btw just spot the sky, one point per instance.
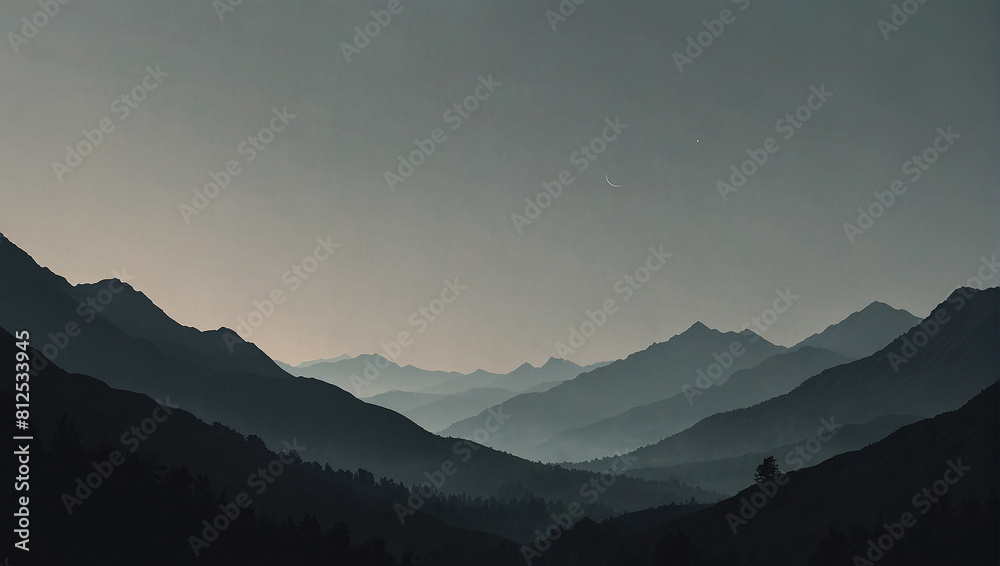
{"type": "Point", "coordinates": [537, 86]}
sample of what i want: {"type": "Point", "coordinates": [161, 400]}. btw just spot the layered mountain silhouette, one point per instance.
{"type": "Point", "coordinates": [403, 401]}
{"type": "Point", "coordinates": [942, 471]}
{"type": "Point", "coordinates": [555, 370]}
{"type": "Point", "coordinates": [217, 379]}
{"type": "Point", "coordinates": [647, 424]}
{"type": "Point", "coordinates": [441, 413]}
{"type": "Point", "coordinates": [103, 415]}
{"type": "Point", "coordinates": [658, 372]}
{"type": "Point", "coordinates": [706, 407]}
{"type": "Point", "coordinates": [435, 399]}
{"type": "Point", "coordinates": [373, 374]}
{"type": "Point", "coordinates": [323, 360]}
{"type": "Point", "coordinates": [934, 367]}
{"type": "Point", "coordinates": [435, 411]}
{"type": "Point", "coordinates": [294, 370]}
{"type": "Point", "coordinates": [863, 333]}
{"type": "Point", "coordinates": [730, 475]}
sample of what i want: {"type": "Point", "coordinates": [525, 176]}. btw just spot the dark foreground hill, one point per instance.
{"type": "Point", "coordinates": [95, 499]}
{"type": "Point", "coordinates": [927, 494]}
{"type": "Point", "coordinates": [731, 475]}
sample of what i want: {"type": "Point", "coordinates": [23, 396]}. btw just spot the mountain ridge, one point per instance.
{"type": "Point", "coordinates": [857, 391]}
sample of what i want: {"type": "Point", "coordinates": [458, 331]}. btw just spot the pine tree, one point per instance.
{"type": "Point", "coordinates": [766, 470]}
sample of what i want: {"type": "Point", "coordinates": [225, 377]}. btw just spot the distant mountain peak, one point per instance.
{"type": "Point", "coordinates": [698, 330]}
{"type": "Point", "coordinates": [876, 308]}
{"type": "Point", "coordinates": [879, 306]}
{"type": "Point", "coordinates": [695, 332]}
{"type": "Point", "coordinates": [223, 330]}
{"type": "Point", "coordinates": [864, 332]}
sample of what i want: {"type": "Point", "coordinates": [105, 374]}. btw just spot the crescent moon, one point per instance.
{"type": "Point", "coordinates": [610, 183]}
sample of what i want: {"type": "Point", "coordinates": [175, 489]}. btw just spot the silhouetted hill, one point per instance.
{"type": "Point", "coordinates": [856, 494]}
{"type": "Point", "coordinates": [105, 416]}
{"type": "Point", "coordinates": [135, 315]}
{"type": "Point", "coordinates": [731, 475]}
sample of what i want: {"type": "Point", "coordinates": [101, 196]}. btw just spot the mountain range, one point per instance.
{"type": "Point", "coordinates": [370, 375]}
{"type": "Point", "coordinates": [672, 385]}
{"type": "Point", "coordinates": [955, 360]}
{"type": "Point", "coordinates": [663, 433]}
{"type": "Point", "coordinates": [646, 424]}
{"type": "Point", "coordinates": [658, 372]}
{"type": "Point", "coordinates": [132, 345]}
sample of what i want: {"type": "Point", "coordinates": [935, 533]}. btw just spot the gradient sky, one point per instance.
{"type": "Point", "coordinates": [324, 174]}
